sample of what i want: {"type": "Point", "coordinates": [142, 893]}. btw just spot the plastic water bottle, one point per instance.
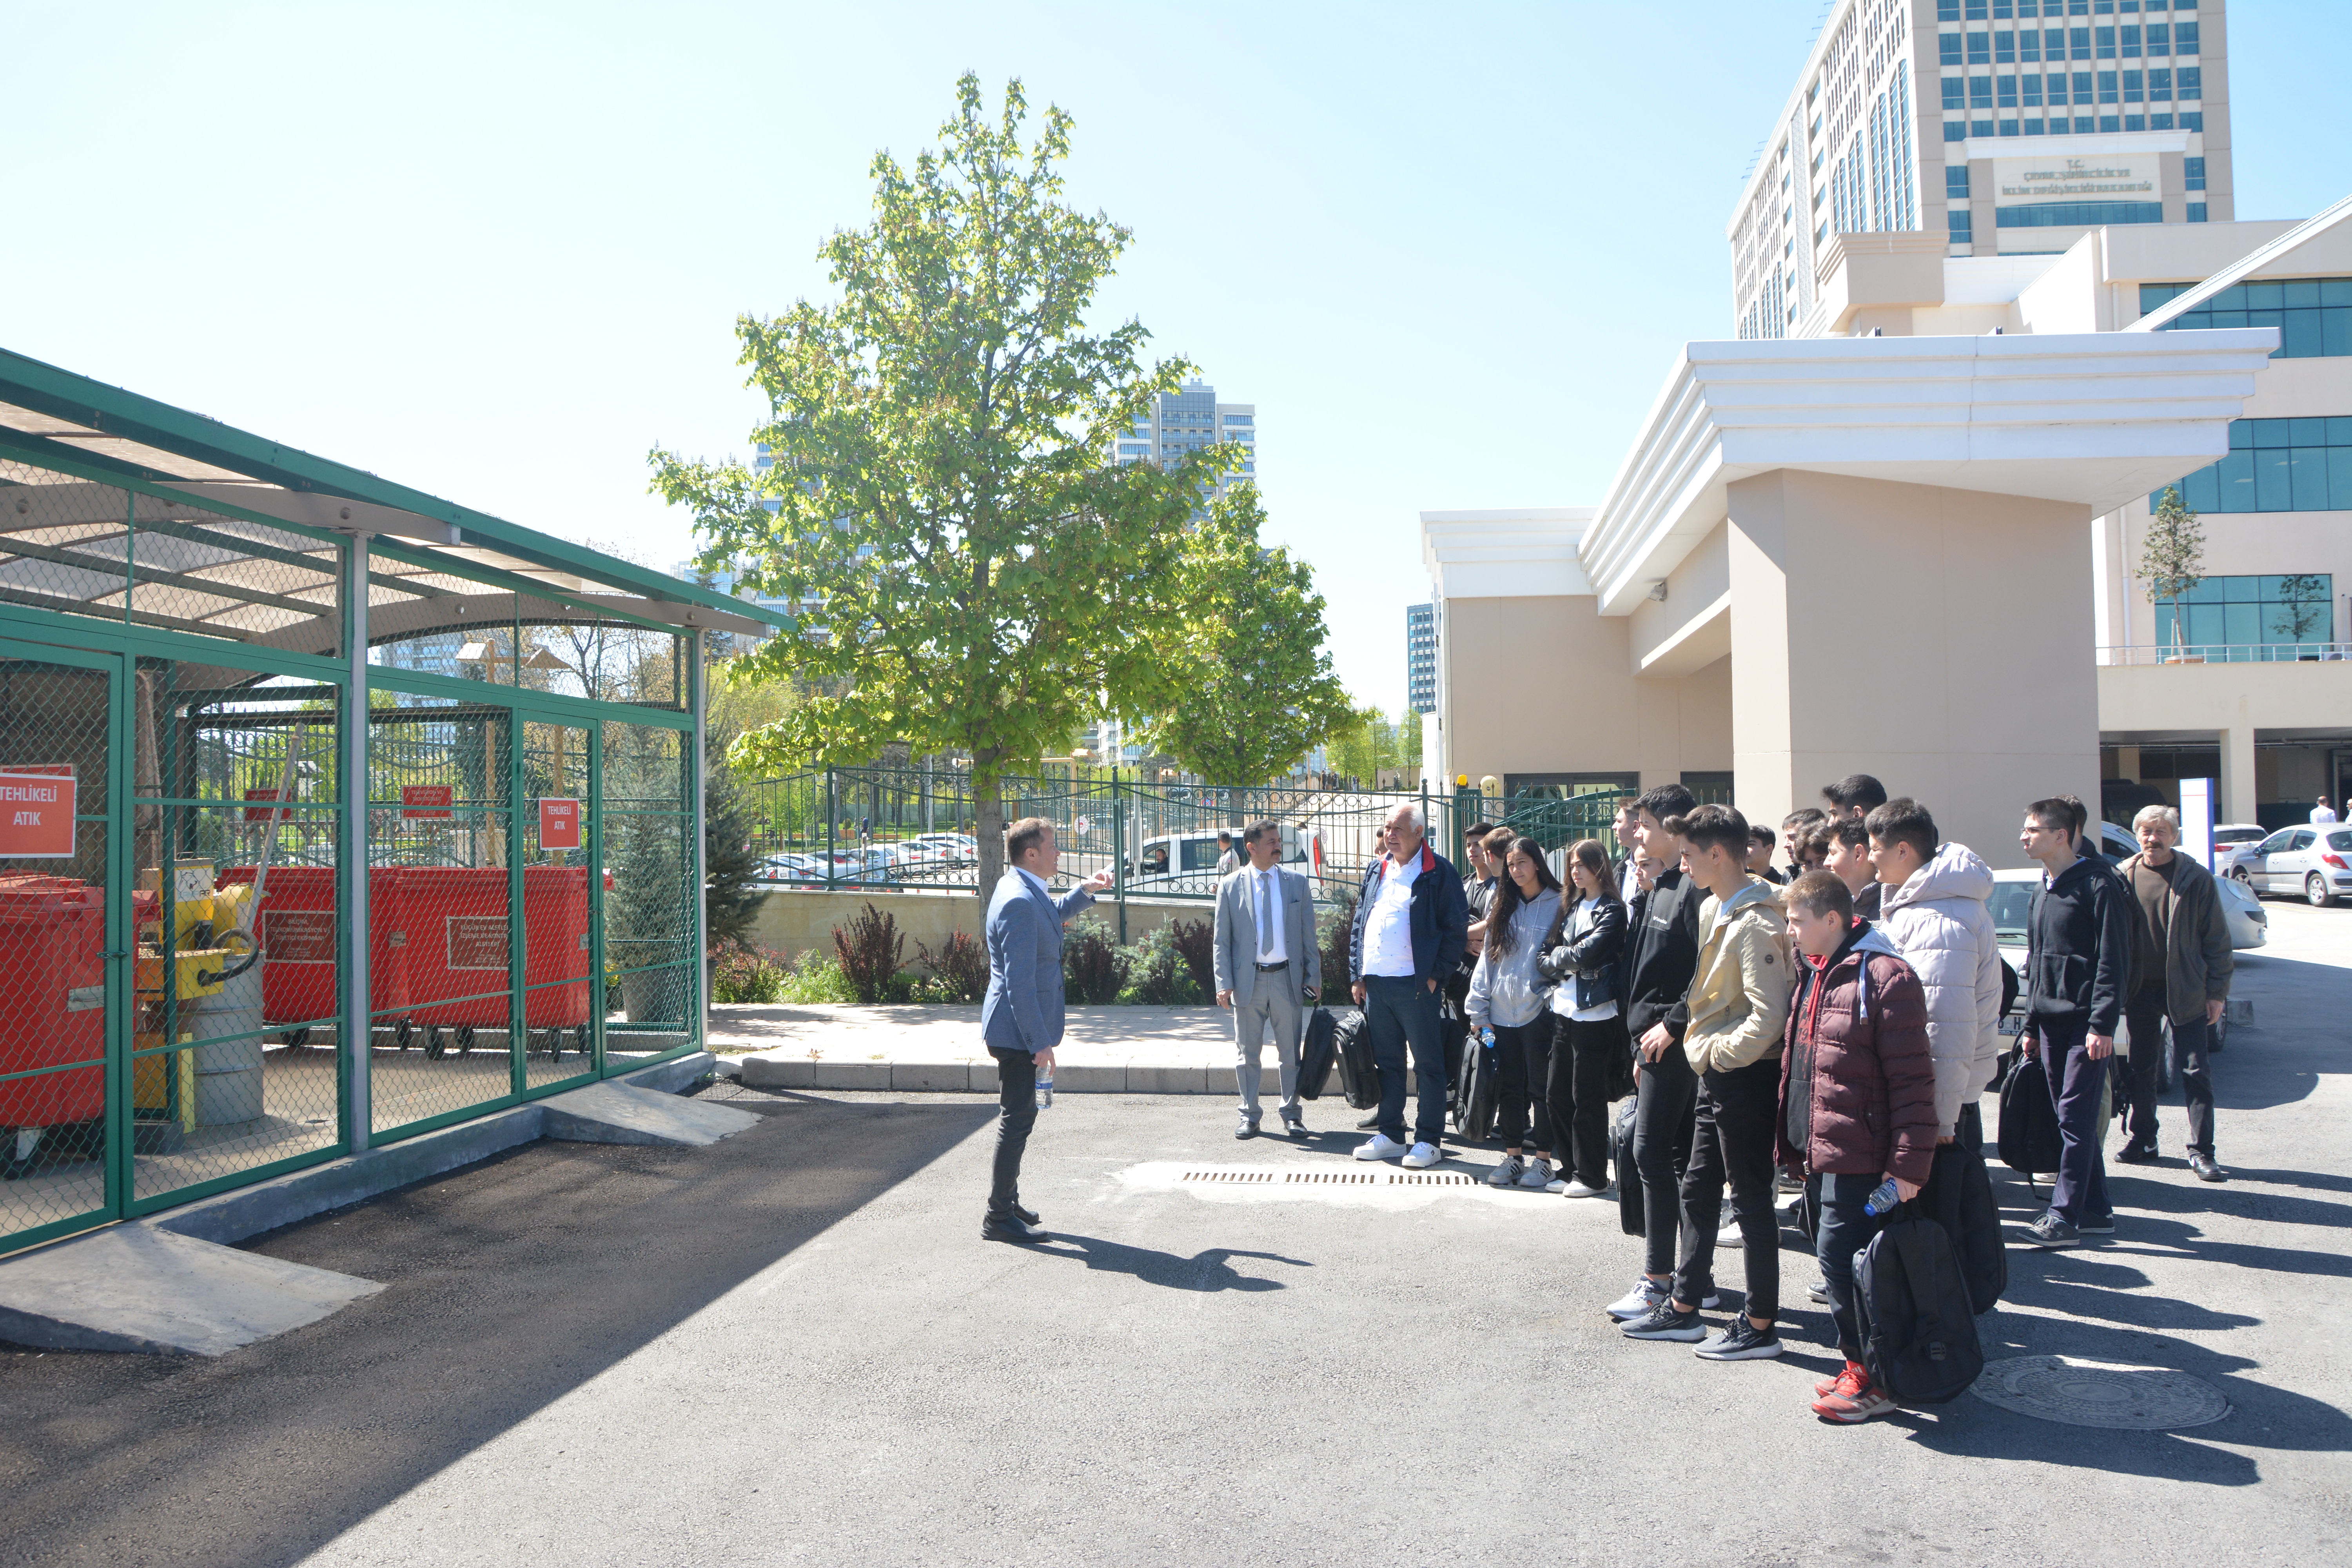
{"type": "Point", "coordinates": [1045, 1088]}
{"type": "Point", "coordinates": [1883, 1200]}
{"type": "Point", "coordinates": [1487, 1038]}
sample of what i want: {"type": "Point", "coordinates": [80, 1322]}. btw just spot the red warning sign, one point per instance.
{"type": "Point", "coordinates": [37, 815]}
{"type": "Point", "coordinates": [424, 800]}
{"type": "Point", "coordinates": [559, 824]}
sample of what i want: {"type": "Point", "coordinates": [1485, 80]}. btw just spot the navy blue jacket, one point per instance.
{"type": "Point", "coordinates": [1440, 917]}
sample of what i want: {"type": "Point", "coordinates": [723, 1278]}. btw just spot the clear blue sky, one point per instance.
{"type": "Point", "coordinates": [496, 251]}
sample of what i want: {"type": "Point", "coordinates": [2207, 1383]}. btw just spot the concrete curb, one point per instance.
{"type": "Point", "coordinates": [783, 1069]}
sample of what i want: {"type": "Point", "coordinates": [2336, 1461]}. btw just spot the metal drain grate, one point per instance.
{"type": "Point", "coordinates": [1335, 1178]}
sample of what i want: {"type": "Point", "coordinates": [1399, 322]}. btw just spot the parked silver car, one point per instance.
{"type": "Point", "coordinates": [2315, 861]}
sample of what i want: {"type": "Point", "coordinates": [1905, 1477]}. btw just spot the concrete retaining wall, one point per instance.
{"type": "Point", "coordinates": [794, 919]}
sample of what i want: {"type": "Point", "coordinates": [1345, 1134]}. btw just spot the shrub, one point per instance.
{"type": "Point", "coordinates": [1156, 973]}
{"type": "Point", "coordinates": [749, 974]}
{"type": "Point", "coordinates": [1196, 943]}
{"type": "Point", "coordinates": [816, 978]}
{"type": "Point", "coordinates": [869, 951]}
{"type": "Point", "coordinates": [1094, 967]}
{"type": "Point", "coordinates": [959, 968]}
{"type": "Point", "coordinates": [1335, 931]}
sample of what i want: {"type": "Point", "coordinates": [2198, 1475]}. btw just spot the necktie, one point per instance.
{"type": "Point", "coordinates": [1265, 928]}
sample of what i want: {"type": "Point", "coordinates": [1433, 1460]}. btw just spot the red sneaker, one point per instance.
{"type": "Point", "coordinates": [1851, 1409]}
{"type": "Point", "coordinates": [1845, 1382]}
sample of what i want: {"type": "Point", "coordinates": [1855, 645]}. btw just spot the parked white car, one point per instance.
{"type": "Point", "coordinates": [2316, 861]}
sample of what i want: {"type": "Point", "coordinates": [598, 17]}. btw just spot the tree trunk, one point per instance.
{"type": "Point", "coordinates": [988, 811]}
{"type": "Point", "coordinates": [1233, 806]}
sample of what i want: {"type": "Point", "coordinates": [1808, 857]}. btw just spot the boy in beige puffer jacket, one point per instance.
{"type": "Point", "coordinates": [1731, 1023]}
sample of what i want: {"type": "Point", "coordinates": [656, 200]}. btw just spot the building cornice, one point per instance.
{"type": "Point", "coordinates": [2094, 418]}
{"type": "Point", "coordinates": [1513, 554]}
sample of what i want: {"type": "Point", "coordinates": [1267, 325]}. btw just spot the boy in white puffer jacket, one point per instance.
{"type": "Point", "coordinates": [1933, 908]}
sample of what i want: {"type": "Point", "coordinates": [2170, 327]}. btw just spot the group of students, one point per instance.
{"type": "Point", "coordinates": [1837, 1025]}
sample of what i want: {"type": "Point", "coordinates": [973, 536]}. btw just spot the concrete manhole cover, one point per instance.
{"type": "Point", "coordinates": [2099, 1394]}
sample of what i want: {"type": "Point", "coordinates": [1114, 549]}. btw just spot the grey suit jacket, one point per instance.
{"type": "Point", "coordinates": [1022, 1009]}
{"type": "Point", "coordinates": [1236, 935]}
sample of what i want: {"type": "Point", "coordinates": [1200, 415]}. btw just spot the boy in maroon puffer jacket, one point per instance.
{"type": "Point", "coordinates": [1857, 1101]}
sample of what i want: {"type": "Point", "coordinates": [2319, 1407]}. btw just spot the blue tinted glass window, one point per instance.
{"type": "Point", "coordinates": [1947, 10]}
{"type": "Point", "coordinates": [2192, 121]}
{"type": "Point", "coordinates": [2005, 91]}
{"type": "Point", "coordinates": [2184, 37]}
{"type": "Point", "coordinates": [2192, 82]}
{"type": "Point", "coordinates": [2083, 87]}
{"type": "Point", "coordinates": [2032, 127]}
{"type": "Point", "coordinates": [2192, 173]}
{"type": "Point", "coordinates": [1955, 131]}
{"type": "Point", "coordinates": [2106, 87]}
{"type": "Point", "coordinates": [2030, 86]}
{"type": "Point", "coordinates": [2131, 86]}
{"type": "Point", "coordinates": [1958, 221]}
{"type": "Point", "coordinates": [2129, 38]}
{"type": "Point", "coordinates": [2160, 85]}
{"type": "Point", "coordinates": [1980, 48]}
{"type": "Point", "coordinates": [1956, 92]}
{"type": "Point", "coordinates": [1975, 10]}
{"type": "Point", "coordinates": [1979, 127]}
{"type": "Point", "coordinates": [2196, 211]}
{"type": "Point", "coordinates": [1948, 48]}
{"type": "Point", "coordinates": [2159, 38]}
{"type": "Point", "coordinates": [2029, 44]}
{"type": "Point", "coordinates": [1956, 180]}
{"type": "Point", "coordinates": [2276, 465]}
{"type": "Point", "coordinates": [2079, 42]}
{"type": "Point", "coordinates": [2004, 48]}
{"type": "Point", "coordinates": [1981, 92]}
{"type": "Point", "coordinates": [2076, 215]}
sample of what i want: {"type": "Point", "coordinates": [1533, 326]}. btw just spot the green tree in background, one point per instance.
{"type": "Point", "coordinates": [2172, 555]}
{"type": "Point", "coordinates": [943, 484]}
{"type": "Point", "coordinates": [1370, 742]}
{"type": "Point", "coordinates": [2303, 607]}
{"type": "Point", "coordinates": [1254, 692]}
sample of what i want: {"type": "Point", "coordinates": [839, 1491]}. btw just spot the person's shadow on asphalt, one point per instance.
{"type": "Point", "coordinates": [1207, 1271]}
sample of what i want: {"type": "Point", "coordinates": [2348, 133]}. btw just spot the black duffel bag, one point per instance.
{"type": "Point", "coordinates": [1319, 1052]}
{"type": "Point", "coordinates": [1360, 1077]}
{"type": "Point", "coordinates": [2029, 1119]}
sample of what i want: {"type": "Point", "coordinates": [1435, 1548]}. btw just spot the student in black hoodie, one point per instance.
{"type": "Point", "coordinates": [1662, 955]}
{"type": "Point", "coordinates": [2077, 961]}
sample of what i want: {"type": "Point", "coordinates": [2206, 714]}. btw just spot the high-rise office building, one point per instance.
{"type": "Point", "coordinates": [1188, 420]}
{"type": "Point", "coordinates": [1421, 658]}
{"type": "Point", "coordinates": [1979, 128]}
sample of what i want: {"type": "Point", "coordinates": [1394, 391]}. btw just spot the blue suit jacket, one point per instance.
{"type": "Point", "coordinates": [1022, 1009]}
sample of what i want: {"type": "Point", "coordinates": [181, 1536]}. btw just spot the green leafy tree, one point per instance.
{"type": "Point", "coordinates": [983, 576]}
{"type": "Point", "coordinates": [1254, 692]}
{"type": "Point", "coordinates": [2303, 607]}
{"type": "Point", "coordinates": [731, 894]}
{"type": "Point", "coordinates": [2173, 554]}
{"type": "Point", "coordinates": [1370, 742]}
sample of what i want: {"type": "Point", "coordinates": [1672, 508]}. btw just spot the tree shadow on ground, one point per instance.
{"type": "Point", "coordinates": [1210, 1270]}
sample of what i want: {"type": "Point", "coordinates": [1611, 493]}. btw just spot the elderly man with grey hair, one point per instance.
{"type": "Point", "coordinates": [1411, 924]}
{"type": "Point", "coordinates": [2182, 975]}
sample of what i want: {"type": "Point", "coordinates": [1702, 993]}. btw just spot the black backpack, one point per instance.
{"type": "Point", "coordinates": [1318, 1053]}
{"type": "Point", "coordinates": [1959, 1196]}
{"type": "Point", "coordinates": [2029, 1122]}
{"type": "Point", "coordinates": [1360, 1079]}
{"type": "Point", "coordinates": [1629, 1217]}
{"type": "Point", "coordinates": [1918, 1330]}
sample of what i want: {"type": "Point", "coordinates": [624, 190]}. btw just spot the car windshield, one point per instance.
{"type": "Point", "coordinates": [2010, 904]}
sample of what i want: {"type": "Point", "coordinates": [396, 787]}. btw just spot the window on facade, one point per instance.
{"type": "Point", "coordinates": [2005, 91]}
{"type": "Point", "coordinates": [2276, 465]}
{"type": "Point", "coordinates": [2184, 37]}
{"type": "Point", "coordinates": [2073, 214]}
{"type": "Point", "coordinates": [2192, 173]}
{"type": "Point", "coordinates": [1956, 92]}
{"type": "Point", "coordinates": [1955, 131]}
{"type": "Point", "coordinates": [2192, 82]}
{"type": "Point", "coordinates": [1956, 180]}
{"type": "Point", "coordinates": [1981, 92]}
{"type": "Point", "coordinates": [1980, 48]}
{"type": "Point", "coordinates": [2131, 86]}
{"type": "Point", "coordinates": [2128, 38]}
{"type": "Point", "coordinates": [2160, 85]}
{"type": "Point", "coordinates": [1957, 219]}
{"type": "Point", "coordinates": [1948, 48]}
{"type": "Point", "coordinates": [2004, 48]}
{"type": "Point", "coordinates": [2239, 618]}
{"type": "Point", "coordinates": [2030, 86]}
{"type": "Point", "coordinates": [2107, 85]}
{"type": "Point", "coordinates": [2159, 38]}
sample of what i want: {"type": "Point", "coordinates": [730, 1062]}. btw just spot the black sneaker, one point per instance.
{"type": "Point", "coordinates": [2050, 1231]}
{"type": "Point", "coordinates": [2136, 1154]}
{"type": "Point", "coordinates": [1743, 1341]}
{"type": "Point", "coordinates": [1369, 1123]}
{"type": "Point", "coordinates": [1663, 1322]}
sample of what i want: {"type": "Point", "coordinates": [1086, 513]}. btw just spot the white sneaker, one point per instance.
{"type": "Point", "coordinates": [1637, 1303]}
{"type": "Point", "coordinates": [1423, 1155]}
{"type": "Point", "coordinates": [1579, 1190]}
{"type": "Point", "coordinates": [1381, 1147]}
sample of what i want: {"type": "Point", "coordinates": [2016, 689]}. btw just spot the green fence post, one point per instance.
{"type": "Point", "coordinates": [1119, 852]}
{"type": "Point", "coordinates": [832, 817]}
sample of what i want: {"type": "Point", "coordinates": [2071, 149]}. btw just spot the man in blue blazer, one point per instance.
{"type": "Point", "coordinates": [1021, 1017]}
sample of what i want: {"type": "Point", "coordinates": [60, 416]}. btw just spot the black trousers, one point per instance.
{"type": "Point", "coordinates": [1577, 1099]}
{"type": "Point", "coordinates": [2190, 1043]}
{"type": "Point", "coordinates": [1017, 1097]}
{"type": "Point", "coordinates": [1663, 1102]}
{"type": "Point", "coordinates": [1523, 1082]}
{"type": "Point", "coordinates": [1733, 1140]}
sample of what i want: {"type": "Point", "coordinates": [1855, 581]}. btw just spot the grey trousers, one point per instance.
{"type": "Point", "coordinates": [1272, 1005]}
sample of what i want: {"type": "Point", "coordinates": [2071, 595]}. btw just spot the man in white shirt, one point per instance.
{"type": "Point", "coordinates": [2323, 814]}
{"type": "Point", "coordinates": [1411, 924]}
{"type": "Point", "coordinates": [1267, 970]}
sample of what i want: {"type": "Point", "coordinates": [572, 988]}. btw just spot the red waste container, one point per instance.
{"type": "Point", "coordinates": [454, 924]}
{"type": "Point", "coordinates": [52, 1001]}
{"type": "Point", "coordinates": [300, 980]}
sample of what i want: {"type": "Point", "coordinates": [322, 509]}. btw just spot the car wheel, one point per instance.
{"type": "Point", "coordinates": [2316, 891]}
{"type": "Point", "coordinates": [2239, 874]}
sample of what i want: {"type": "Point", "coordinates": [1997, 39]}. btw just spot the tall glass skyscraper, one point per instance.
{"type": "Point", "coordinates": [1421, 658]}
{"type": "Point", "coordinates": [1188, 418]}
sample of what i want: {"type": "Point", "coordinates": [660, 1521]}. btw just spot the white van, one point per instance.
{"type": "Point", "coordinates": [1187, 862]}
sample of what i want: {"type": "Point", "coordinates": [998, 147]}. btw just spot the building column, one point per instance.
{"type": "Point", "coordinates": [1932, 639]}
{"type": "Point", "coordinates": [2238, 789]}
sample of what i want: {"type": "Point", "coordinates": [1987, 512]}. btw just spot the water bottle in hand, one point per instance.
{"type": "Point", "coordinates": [1883, 1200]}
{"type": "Point", "coordinates": [1044, 1088]}
{"type": "Point", "coordinates": [1487, 1038]}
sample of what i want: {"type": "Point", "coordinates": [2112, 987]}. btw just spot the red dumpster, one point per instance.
{"type": "Point", "coordinates": [453, 921]}
{"type": "Point", "coordinates": [52, 1001]}
{"type": "Point", "coordinates": [300, 975]}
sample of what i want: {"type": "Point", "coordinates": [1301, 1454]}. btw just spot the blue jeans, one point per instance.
{"type": "Point", "coordinates": [1401, 1011]}
{"type": "Point", "coordinates": [2080, 1193]}
{"type": "Point", "coordinates": [1841, 1232]}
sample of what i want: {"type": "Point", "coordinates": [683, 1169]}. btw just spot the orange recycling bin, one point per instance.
{"type": "Point", "coordinates": [452, 928]}
{"type": "Point", "coordinates": [52, 1001]}
{"type": "Point", "coordinates": [300, 980]}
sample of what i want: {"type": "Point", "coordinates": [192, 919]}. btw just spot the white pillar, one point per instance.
{"type": "Point", "coordinates": [2238, 789]}
{"type": "Point", "coordinates": [352, 853]}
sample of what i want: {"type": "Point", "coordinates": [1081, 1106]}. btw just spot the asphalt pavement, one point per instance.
{"type": "Point", "coordinates": [792, 1346]}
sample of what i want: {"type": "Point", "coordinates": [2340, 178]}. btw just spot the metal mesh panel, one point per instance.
{"type": "Point", "coordinates": [197, 571]}
{"type": "Point", "coordinates": [606, 661]}
{"type": "Point", "coordinates": [649, 911]}
{"type": "Point", "coordinates": [54, 1013]}
{"type": "Point", "coordinates": [440, 996]}
{"type": "Point", "coordinates": [62, 543]}
{"type": "Point", "coordinates": [236, 1045]}
{"type": "Point", "coordinates": [558, 1037]}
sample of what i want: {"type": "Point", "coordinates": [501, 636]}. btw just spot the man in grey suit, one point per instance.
{"type": "Point", "coordinates": [1267, 969]}
{"type": "Point", "coordinates": [1021, 1017]}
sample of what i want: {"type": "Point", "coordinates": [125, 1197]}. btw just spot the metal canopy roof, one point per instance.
{"type": "Point", "coordinates": [225, 575]}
